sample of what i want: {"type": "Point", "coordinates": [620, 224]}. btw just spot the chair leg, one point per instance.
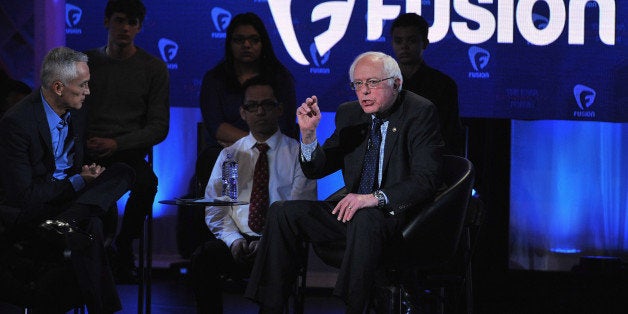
{"type": "Point", "coordinates": [298, 297]}
{"type": "Point", "coordinates": [145, 266]}
{"type": "Point", "coordinates": [149, 260]}
{"type": "Point", "coordinates": [468, 287]}
{"type": "Point", "coordinates": [141, 270]}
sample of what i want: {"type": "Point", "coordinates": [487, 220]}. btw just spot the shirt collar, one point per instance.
{"type": "Point", "coordinates": [272, 142]}
{"type": "Point", "coordinates": [52, 117]}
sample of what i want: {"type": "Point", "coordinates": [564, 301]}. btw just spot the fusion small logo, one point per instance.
{"type": "Point", "coordinates": [479, 58]}
{"type": "Point", "coordinates": [319, 61]}
{"type": "Point", "coordinates": [221, 19]}
{"type": "Point", "coordinates": [585, 97]}
{"type": "Point", "coordinates": [72, 18]}
{"type": "Point", "coordinates": [168, 50]}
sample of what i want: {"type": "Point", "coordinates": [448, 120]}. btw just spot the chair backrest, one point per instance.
{"type": "Point", "coordinates": [431, 237]}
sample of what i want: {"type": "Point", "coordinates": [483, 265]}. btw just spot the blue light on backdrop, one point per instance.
{"type": "Point", "coordinates": [569, 192]}
{"type": "Point", "coordinates": [525, 59]}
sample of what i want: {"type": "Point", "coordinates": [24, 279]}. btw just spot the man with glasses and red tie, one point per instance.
{"type": "Point", "coordinates": [388, 146]}
{"type": "Point", "coordinates": [268, 171]}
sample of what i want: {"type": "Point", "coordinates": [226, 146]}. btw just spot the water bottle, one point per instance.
{"type": "Point", "coordinates": [230, 177]}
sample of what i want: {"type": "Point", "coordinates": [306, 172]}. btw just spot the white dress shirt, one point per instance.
{"type": "Point", "coordinates": [286, 182]}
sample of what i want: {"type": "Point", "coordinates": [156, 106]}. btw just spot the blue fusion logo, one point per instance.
{"type": "Point", "coordinates": [72, 15]}
{"type": "Point", "coordinates": [585, 97]}
{"type": "Point", "coordinates": [479, 58]}
{"type": "Point", "coordinates": [72, 18]}
{"type": "Point", "coordinates": [221, 19]}
{"type": "Point", "coordinates": [319, 61]}
{"type": "Point", "coordinates": [168, 49]}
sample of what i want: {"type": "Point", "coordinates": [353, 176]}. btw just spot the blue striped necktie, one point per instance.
{"type": "Point", "coordinates": [371, 159]}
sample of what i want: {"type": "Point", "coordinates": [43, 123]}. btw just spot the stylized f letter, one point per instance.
{"type": "Point", "coordinates": [339, 13]}
{"type": "Point", "coordinates": [280, 9]}
{"type": "Point", "coordinates": [72, 15]}
{"type": "Point", "coordinates": [168, 49]}
{"type": "Point", "coordinates": [585, 96]}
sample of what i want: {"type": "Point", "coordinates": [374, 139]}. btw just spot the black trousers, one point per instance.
{"type": "Point", "coordinates": [90, 266]}
{"type": "Point", "coordinates": [211, 263]}
{"type": "Point", "coordinates": [368, 236]}
{"type": "Point", "coordinates": [141, 198]}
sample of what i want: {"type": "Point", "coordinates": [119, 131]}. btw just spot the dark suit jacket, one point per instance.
{"type": "Point", "coordinates": [27, 160]}
{"type": "Point", "coordinates": [412, 151]}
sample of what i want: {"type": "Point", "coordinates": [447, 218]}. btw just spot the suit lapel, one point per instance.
{"type": "Point", "coordinates": [395, 121]}
{"type": "Point", "coordinates": [355, 168]}
{"type": "Point", "coordinates": [42, 124]}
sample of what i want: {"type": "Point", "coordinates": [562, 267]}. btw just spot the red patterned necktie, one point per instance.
{"type": "Point", "coordinates": [259, 195]}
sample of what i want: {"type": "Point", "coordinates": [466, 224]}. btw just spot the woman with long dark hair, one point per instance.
{"type": "Point", "coordinates": [248, 53]}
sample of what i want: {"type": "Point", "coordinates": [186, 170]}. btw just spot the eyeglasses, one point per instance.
{"type": "Point", "coordinates": [253, 106]}
{"type": "Point", "coordinates": [370, 83]}
{"type": "Point", "coordinates": [253, 39]}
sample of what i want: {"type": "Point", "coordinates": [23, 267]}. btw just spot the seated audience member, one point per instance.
{"type": "Point", "coordinates": [248, 52]}
{"type": "Point", "coordinates": [409, 40]}
{"type": "Point", "coordinates": [129, 113]}
{"type": "Point", "coordinates": [58, 200]}
{"type": "Point", "coordinates": [389, 149]}
{"type": "Point", "coordinates": [264, 153]}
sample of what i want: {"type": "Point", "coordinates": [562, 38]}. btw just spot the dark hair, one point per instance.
{"type": "Point", "coordinates": [269, 64]}
{"type": "Point", "coordinates": [133, 9]}
{"type": "Point", "coordinates": [259, 80]}
{"type": "Point", "coordinates": [412, 20]}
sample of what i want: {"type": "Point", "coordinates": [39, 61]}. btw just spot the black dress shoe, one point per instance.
{"type": "Point", "coordinates": [123, 268]}
{"type": "Point", "coordinates": [66, 234]}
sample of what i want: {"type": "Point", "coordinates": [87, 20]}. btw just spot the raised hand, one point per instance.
{"type": "Point", "coordinates": [308, 117]}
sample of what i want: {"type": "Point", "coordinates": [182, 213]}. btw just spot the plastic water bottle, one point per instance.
{"type": "Point", "coordinates": [230, 177]}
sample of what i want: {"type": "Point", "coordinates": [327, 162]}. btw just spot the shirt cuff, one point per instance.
{"type": "Point", "coordinates": [78, 183]}
{"type": "Point", "coordinates": [308, 149]}
{"type": "Point", "coordinates": [231, 238]}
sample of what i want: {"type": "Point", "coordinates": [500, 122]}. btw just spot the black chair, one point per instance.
{"type": "Point", "coordinates": [14, 254]}
{"type": "Point", "coordinates": [145, 260]}
{"type": "Point", "coordinates": [433, 253]}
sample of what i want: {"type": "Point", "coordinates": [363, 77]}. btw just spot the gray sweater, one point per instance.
{"type": "Point", "coordinates": [129, 99]}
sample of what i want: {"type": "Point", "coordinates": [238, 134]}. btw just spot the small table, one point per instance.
{"type": "Point", "coordinates": [201, 202]}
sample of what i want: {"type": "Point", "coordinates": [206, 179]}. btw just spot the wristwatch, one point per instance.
{"type": "Point", "coordinates": [381, 198]}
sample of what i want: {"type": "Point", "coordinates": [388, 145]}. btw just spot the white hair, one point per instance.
{"type": "Point", "coordinates": [391, 68]}
{"type": "Point", "coordinates": [60, 65]}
